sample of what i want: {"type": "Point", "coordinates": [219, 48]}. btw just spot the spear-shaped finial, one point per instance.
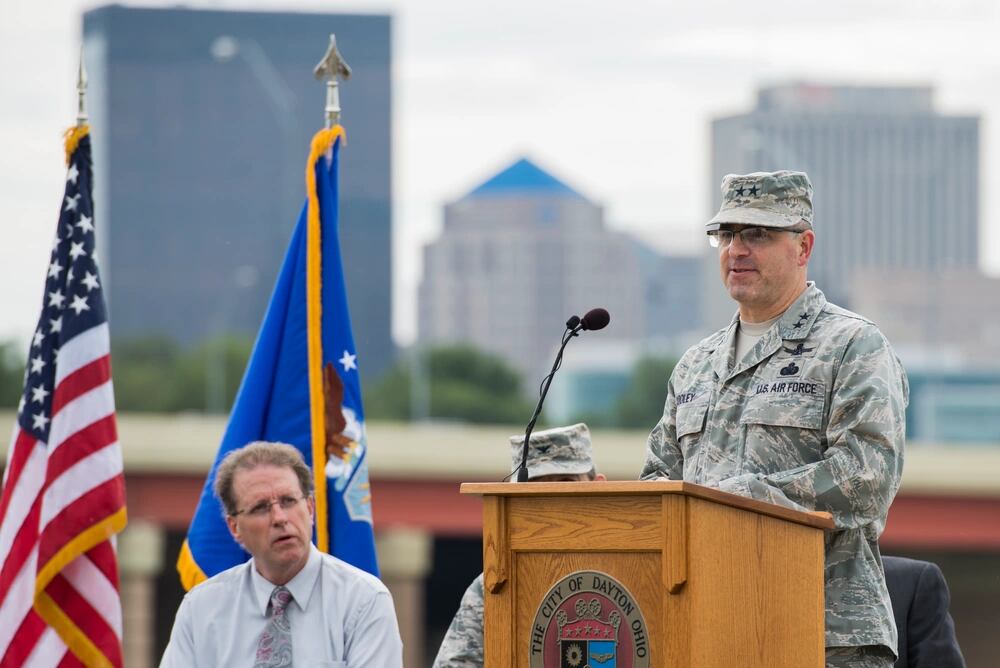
{"type": "Point", "coordinates": [332, 68]}
{"type": "Point", "coordinates": [81, 93]}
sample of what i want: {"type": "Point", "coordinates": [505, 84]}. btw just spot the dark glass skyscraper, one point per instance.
{"type": "Point", "coordinates": [897, 182]}
{"type": "Point", "coordinates": [201, 127]}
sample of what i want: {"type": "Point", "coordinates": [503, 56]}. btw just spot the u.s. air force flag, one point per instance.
{"type": "Point", "coordinates": [291, 394]}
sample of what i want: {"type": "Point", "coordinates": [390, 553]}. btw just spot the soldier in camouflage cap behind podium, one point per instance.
{"type": "Point", "coordinates": [796, 402]}
{"type": "Point", "coordinates": [562, 454]}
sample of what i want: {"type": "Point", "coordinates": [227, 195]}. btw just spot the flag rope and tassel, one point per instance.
{"type": "Point", "coordinates": [322, 142]}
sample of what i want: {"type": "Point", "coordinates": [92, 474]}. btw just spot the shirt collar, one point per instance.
{"type": "Point", "coordinates": [301, 586]}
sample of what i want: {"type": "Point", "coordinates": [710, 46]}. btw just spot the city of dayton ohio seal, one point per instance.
{"type": "Point", "coordinates": [588, 620]}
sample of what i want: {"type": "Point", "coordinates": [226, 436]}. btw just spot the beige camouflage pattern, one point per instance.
{"type": "Point", "coordinates": [558, 451]}
{"type": "Point", "coordinates": [813, 418]}
{"type": "Point", "coordinates": [870, 656]}
{"type": "Point", "coordinates": [462, 646]}
{"type": "Point", "coordinates": [768, 199]}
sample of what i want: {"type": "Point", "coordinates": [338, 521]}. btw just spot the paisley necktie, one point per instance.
{"type": "Point", "coordinates": [274, 648]}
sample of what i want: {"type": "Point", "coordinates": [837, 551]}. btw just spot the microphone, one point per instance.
{"type": "Point", "coordinates": [594, 319]}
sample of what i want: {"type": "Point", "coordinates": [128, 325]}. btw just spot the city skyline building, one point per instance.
{"type": "Point", "coordinates": [896, 182]}
{"type": "Point", "coordinates": [945, 327]}
{"type": "Point", "coordinates": [202, 121]}
{"type": "Point", "coordinates": [517, 256]}
{"type": "Point", "coordinates": [672, 298]}
{"type": "Point", "coordinates": [942, 320]}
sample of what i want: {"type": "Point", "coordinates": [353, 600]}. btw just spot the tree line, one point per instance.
{"type": "Point", "coordinates": [456, 382]}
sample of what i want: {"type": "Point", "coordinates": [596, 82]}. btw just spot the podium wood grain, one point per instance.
{"type": "Point", "coordinates": [721, 580]}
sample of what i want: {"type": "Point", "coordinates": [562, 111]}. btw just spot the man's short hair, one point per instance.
{"type": "Point", "coordinates": [252, 455]}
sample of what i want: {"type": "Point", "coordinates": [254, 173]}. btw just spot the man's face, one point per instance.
{"type": "Point", "coordinates": [767, 275]}
{"type": "Point", "coordinates": [279, 538]}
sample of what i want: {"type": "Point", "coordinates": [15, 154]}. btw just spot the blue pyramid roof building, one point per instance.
{"type": "Point", "coordinates": [523, 178]}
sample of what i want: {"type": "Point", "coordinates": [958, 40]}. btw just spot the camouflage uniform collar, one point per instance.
{"type": "Point", "coordinates": [723, 357]}
{"type": "Point", "coordinates": [798, 320]}
{"type": "Point", "coordinates": [794, 325]}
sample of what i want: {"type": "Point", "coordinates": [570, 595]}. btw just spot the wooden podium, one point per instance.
{"type": "Point", "coordinates": [657, 574]}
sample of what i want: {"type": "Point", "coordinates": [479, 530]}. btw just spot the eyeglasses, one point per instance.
{"type": "Point", "coordinates": [752, 237]}
{"type": "Point", "coordinates": [263, 509]}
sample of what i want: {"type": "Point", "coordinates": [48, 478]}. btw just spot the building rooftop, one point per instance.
{"type": "Point", "coordinates": [803, 97]}
{"type": "Point", "coordinates": [523, 178]}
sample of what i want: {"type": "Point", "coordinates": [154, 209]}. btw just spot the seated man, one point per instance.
{"type": "Point", "coordinates": [556, 455]}
{"type": "Point", "coordinates": [290, 604]}
{"type": "Point", "coordinates": [920, 606]}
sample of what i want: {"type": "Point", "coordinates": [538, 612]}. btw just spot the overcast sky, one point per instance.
{"type": "Point", "coordinates": [616, 102]}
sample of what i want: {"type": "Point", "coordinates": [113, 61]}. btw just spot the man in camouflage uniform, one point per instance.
{"type": "Point", "coordinates": [556, 455]}
{"type": "Point", "coordinates": [796, 402]}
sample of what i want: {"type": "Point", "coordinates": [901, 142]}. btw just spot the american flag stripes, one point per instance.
{"type": "Point", "coordinates": [63, 495]}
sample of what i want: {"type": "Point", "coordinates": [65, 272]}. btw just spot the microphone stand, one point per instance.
{"type": "Point", "coordinates": [572, 328]}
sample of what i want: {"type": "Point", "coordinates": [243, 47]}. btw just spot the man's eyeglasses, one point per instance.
{"type": "Point", "coordinates": [752, 237]}
{"type": "Point", "coordinates": [263, 509]}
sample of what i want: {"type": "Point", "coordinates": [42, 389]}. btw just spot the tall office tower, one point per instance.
{"type": "Point", "coordinates": [671, 297]}
{"type": "Point", "coordinates": [896, 183]}
{"type": "Point", "coordinates": [201, 124]}
{"type": "Point", "coordinates": [518, 255]}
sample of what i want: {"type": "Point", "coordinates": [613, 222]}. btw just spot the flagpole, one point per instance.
{"type": "Point", "coordinates": [81, 93]}
{"type": "Point", "coordinates": [332, 67]}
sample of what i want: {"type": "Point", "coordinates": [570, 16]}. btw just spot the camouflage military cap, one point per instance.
{"type": "Point", "coordinates": [766, 199]}
{"type": "Point", "coordinates": [558, 451]}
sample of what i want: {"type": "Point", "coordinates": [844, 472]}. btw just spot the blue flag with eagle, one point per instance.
{"type": "Point", "coordinates": [286, 395]}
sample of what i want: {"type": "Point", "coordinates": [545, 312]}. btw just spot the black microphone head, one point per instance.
{"type": "Point", "coordinates": [573, 322]}
{"type": "Point", "coordinates": [595, 318]}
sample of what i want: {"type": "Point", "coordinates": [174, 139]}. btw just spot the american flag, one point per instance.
{"type": "Point", "coordinates": [63, 494]}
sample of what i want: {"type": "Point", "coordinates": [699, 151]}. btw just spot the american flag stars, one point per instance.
{"type": "Point", "coordinates": [57, 298]}
{"type": "Point", "coordinates": [37, 364]}
{"type": "Point", "coordinates": [72, 254]}
{"type": "Point", "coordinates": [72, 292]}
{"type": "Point", "coordinates": [79, 304]}
{"type": "Point", "coordinates": [39, 421]}
{"type": "Point", "coordinates": [90, 280]}
{"type": "Point", "coordinates": [76, 250]}
{"type": "Point", "coordinates": [38, 394]}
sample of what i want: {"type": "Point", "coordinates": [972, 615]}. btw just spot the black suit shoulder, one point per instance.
{"type": "Point", "coordinates": [920, 601]}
